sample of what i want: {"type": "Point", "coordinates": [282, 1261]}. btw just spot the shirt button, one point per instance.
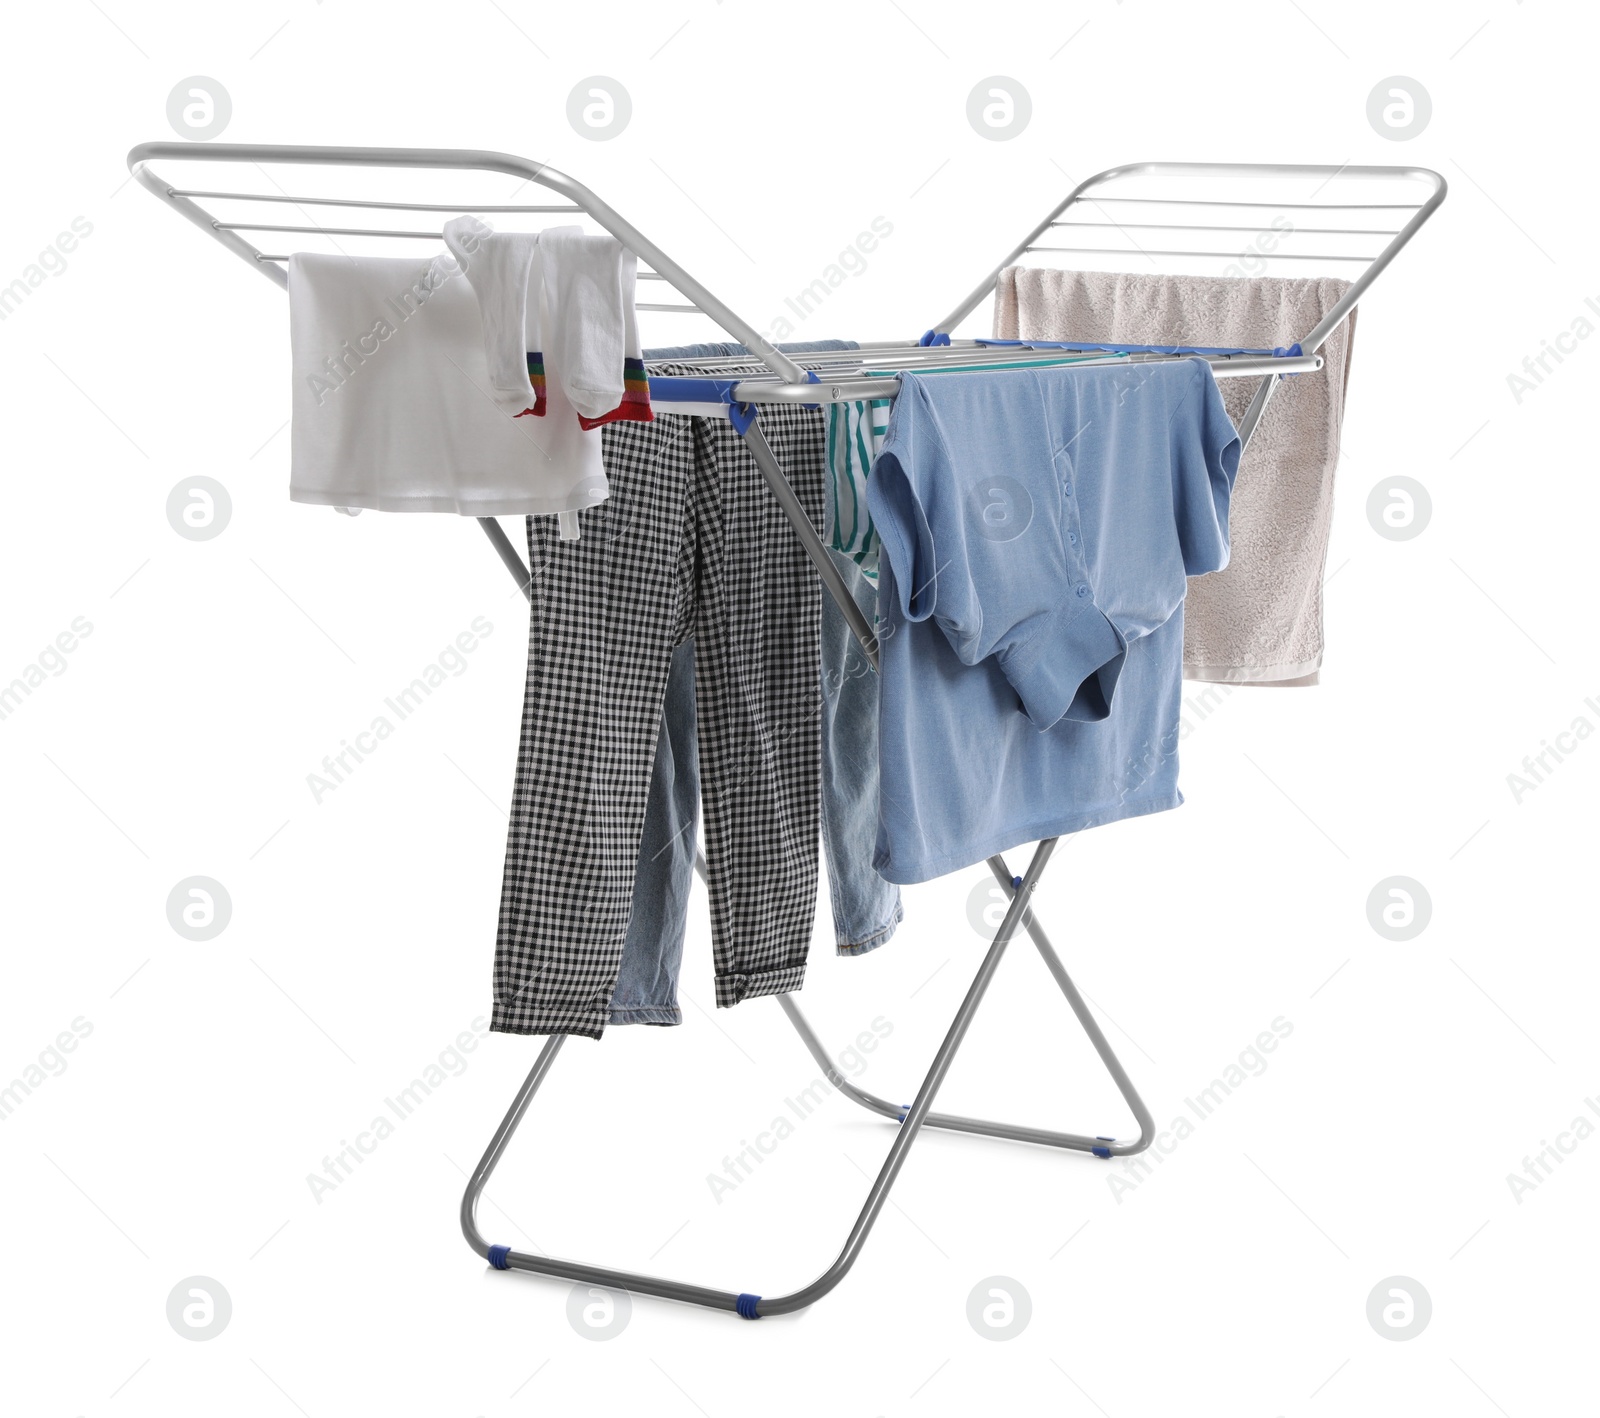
{"type": "Point", "coordinates": [1083, 591]}
{"type": "Point", "coordinates": [1067, 489]}
{"type": "Point", "coordinates": [1073, 538]}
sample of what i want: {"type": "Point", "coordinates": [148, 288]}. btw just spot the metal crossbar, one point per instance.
{"type": "Point", "coordinates": [826, 378]}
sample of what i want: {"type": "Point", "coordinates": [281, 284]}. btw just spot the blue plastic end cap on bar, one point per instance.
{"type": "Point", "coordinates": [500, 1257]}
{"type": "Point", "coordinates": [1291, 352]}
{"type": "Point", "coordinates": [746, 1306]}
{"type": "Point", "coordinates": [741, 416]}
{"type": "Point", "coordinates": [933, 337]}
{"type": "Point", "coordinates": [1102, 1151]}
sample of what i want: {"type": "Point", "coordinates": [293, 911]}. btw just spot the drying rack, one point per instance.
{"type": "Point", "coordinates": [769, 376]}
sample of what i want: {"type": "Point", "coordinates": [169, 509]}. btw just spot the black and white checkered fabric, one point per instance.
{"type": "Point", "coordinates": [690, 543]}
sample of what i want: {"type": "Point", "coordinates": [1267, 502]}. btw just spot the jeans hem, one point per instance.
{"type": "Point", "coordinates": [646, 1014]}
{"type": "Point", "coordinates": [881, 936]}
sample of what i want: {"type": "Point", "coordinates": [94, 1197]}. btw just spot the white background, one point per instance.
{"type": "Point", "coordinates": [1233, 1277]}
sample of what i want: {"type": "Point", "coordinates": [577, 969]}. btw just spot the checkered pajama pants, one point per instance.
{"type": "Point", "coordinates": [689, 543]}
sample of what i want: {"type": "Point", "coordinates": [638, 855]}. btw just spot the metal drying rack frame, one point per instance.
{"type": "Point", "coordinates": [829, 379]}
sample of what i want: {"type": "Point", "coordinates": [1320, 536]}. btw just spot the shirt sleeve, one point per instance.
{"type": "Point", "coordinates": [987, 560]}
{"type": "Point", "coordinates": [1205, 460]}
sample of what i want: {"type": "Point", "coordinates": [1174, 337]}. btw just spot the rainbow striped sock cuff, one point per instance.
{"type": "Point", "coordinates": [635, 405]}
{"type": "Point", "coordinates": [536, 378]}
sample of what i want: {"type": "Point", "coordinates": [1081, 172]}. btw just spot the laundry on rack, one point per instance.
{"type": "Point", "coordinates": [504, 272]}
{"type": "Point", "coordinates": [855, 434]}
{"type": "Point", "coordinates": [1038, 526]}
{"type": "Point", "coordinates": [866, 909]}
{"type": "Point", "coordinates": [1260, 621]}
{"type": "Point", "coordinates": [856, 431]}
{"type": "Point", "coordinates": [557, 304]}
{"type": "Point", "coordinates": [690, 544]}
{"type": "Point", "coordinates": [646, 991]}
{"type": "Point", "coordinates": [731, 349]}
{"type": "Point", "coordinates": [591, 332]}
{"type": "Point", "coordinates": [394, 406]}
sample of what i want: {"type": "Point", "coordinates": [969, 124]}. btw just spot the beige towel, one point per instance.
{"type": "Point", "coordinates": [1260, 620]}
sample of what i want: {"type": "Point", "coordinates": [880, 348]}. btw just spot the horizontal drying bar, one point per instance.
{"type": "Point", "coordinates": [358, 231]}
{"type": "Point", "coordinates": [1217, 255]}
{"type": "Point", "coordinates": [850, 389]}
{"type": "Point", "coordinates": [1192, 226]}
{"type": "Point", "coordinates": [1296, 206]}
{"type": "Point", "coordinates": [385, 206]}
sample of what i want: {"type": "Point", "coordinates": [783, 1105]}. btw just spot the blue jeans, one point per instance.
{"type": "Point", "coordinates": [647, 984]}
{"type": "Point", "coordinates": [866, 908]}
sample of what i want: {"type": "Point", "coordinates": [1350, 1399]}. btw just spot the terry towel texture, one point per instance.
{"type": "Point", "coordinates": [1260, 620]}
{"type": "Point", "coordinates": [394, 408]}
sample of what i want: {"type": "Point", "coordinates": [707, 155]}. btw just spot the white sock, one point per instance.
{"type": "Point", "coordinates": [498, 267]}
{"type": "Point", "coordinates": [586, 340]}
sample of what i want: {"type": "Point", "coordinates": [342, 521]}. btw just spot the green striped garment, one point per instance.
{"type": "Point", "coordinates": [855, 434]}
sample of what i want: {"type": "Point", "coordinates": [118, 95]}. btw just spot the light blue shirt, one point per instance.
{"type": "Point", "coordinates": [1037, 527]}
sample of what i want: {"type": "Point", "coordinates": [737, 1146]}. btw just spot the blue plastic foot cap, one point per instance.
{"type": "Point", "coordinates": [1101, 1151]}
{"type": "Point", "coordinates": [499, 1257]}
{"type": "Point", "coordinates": [746, 1306]}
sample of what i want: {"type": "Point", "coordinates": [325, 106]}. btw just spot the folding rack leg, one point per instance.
{"type": "Point", "coordinates": [1100, 1146]}
{"type": "Point", "coordinates": [751, 1306]}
